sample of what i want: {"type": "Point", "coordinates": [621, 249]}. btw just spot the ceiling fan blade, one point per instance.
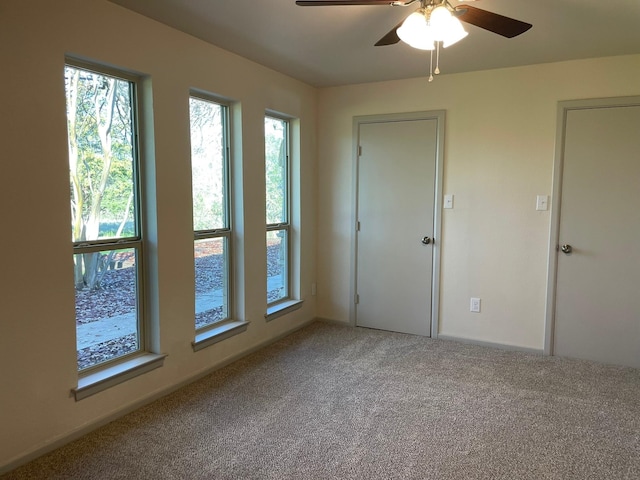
{"type": "Point", "coordinates": [505, 26]}
{"type": "Point", "coordinates": [326, 3]}
{"type": "Point", "coordinates": [390, 38]}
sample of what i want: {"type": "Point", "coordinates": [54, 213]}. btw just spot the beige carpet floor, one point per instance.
{"type": "Point", "coordinates": [333, 402]}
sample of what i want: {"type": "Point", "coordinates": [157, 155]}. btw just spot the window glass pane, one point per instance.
{"type": "Point", "coordinates": [106, 315]}
{"type": "Point", "coordinates": [277, 266]}
{"type": "Point", "coordinates": [208, 164]}
{"type": "Point", "coordinates": [275, 136]}
{"type": "Point", "coordinates": [101, 156]}
{"type": "Point", "coordinates": [212, 287]}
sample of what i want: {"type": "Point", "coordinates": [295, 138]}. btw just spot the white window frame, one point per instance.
{"type": "Point", "coordinates": [106, 374]}
{"type": "Point", "coordinates": [229, 326]}
{"type": "Point", "coordinates": [286, 224]}
{"type": "Point", "coordinates": [292, 300]}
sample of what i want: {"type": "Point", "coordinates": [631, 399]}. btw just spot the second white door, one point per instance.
{"type": "Point", "coordinates": [396, 198]}
{"type": "Point", "coordinates": [597, 313]}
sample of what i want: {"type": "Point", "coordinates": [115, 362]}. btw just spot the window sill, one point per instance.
{"type": "Point", "coordinates": [218, 334]}
{"type": "Point", "coordinates": [98, 381]}
{"type": "Point", "coordinates": [280, 309]}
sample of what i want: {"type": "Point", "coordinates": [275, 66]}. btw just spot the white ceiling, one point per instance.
{"type": "Point", "coordinates": [326, 46]}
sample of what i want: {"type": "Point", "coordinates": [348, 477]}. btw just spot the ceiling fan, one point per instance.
{"type": "Point", "coordinates": [435, 23]}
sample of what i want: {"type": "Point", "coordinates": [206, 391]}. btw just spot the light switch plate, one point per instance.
{"type": "Point", "coordinates": [542, 202]}
{"type": "Point", "coordinates": [448, 201]}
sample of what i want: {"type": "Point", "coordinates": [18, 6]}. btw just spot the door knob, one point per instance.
{"type": "Point", "coordinates": [426, 240]}
{"type": "Point", "coordinates": [566, 249]}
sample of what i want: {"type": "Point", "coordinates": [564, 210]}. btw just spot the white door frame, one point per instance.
{"type": "Point", "coordinates": [552, 270]}
{"type": "Point", "coordinates": [439, 116]}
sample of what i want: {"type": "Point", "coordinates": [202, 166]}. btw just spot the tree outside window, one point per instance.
{"type": "Point", "coordinates": [276, 133]}
{"type": "Point", "coordinates": [105, 227]}
{"type": "Point", "coordinates": [211, 207]}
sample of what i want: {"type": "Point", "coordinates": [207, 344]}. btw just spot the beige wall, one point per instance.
{"type": "Point", "coordinates": [37, 331]}
{"type": "Point", "coordinates": [499, 152]}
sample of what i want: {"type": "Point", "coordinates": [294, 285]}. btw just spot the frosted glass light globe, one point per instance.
{"type": "Point", "coordinates": [415, 32]}
{"type": "Point", "coordinates": [455, 33]}
{"type": "Point", "coordinates": [440, 22]}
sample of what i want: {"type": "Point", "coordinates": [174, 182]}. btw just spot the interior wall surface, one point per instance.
{"type": "Point", "coordinates": [499, 153]}
{"type": "Point", "coordinates": [37, 326]}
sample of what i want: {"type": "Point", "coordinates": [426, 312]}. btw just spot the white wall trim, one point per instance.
{"type": "Point", "coordinates": [500, 346]}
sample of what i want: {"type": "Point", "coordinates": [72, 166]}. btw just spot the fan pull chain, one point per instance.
{"type": "Point", "coordinates": [437, 70]}
{"type": "Point", "coordinates": [431, 68]}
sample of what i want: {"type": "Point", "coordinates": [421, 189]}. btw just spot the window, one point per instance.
{"type": "Point", "coordinates": [105, 215]}
{"type": "Point", "coordinates": [276, 134]}
{"type": "Point", "coordinates": [211, 210]}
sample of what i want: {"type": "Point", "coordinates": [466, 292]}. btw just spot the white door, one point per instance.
{"type": "Point", "coordinates": [597, 313]}
{"type": "Point", "coordinates": [396, 189]}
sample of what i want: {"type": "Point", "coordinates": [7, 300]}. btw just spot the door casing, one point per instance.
{"type": "Point", "coordinates": [439, 116]}
{"type": "Point", "coordinates": [563, 108]}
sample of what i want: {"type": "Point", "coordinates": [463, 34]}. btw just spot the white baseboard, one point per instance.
{"type": "Point", "coordinates": [501, 346]}
{"type": "Point", "coordinates": [471, 341]}
{"type": "Point", "coordinates": [334, 322]}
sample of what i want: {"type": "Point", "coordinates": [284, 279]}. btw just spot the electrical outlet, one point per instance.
{"type": "Point", "coordinates": [475, 305]}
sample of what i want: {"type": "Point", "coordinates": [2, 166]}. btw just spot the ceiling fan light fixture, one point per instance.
{"type": "Point", "coordinates": [422, 29]}
{"type": "Point", "coordinates": [440, 22]}
{"type": "Point", "coordinates": [435, 24]}
{"type": "Point", "coordinates": [415, 32]}
{"type": "Point", "coordinates": [455, 33]}
{"type": "Point", "coordinates": [430, 28]}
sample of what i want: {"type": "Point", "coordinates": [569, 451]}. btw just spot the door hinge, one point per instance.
{"type": "Point", "coordinates": [357, 299]}
{"type": "Point", "coordinates": [357, 226]}
{"type": "Point", "coordinates": [359, 150]}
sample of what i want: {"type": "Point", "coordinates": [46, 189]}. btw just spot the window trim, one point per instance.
{"type": "Point", "coordinates": [282, 308]}
{"type": "Point", "coordinates": [283, 303]}
{"type": "Point", "coordinates": [116, 373]}
{"type": "Point", "coordinates": [204, 335]}
{"type": "Point", "coordinates": [217, 332]}
{"type": "Point", "coordinates": [137, 242]}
